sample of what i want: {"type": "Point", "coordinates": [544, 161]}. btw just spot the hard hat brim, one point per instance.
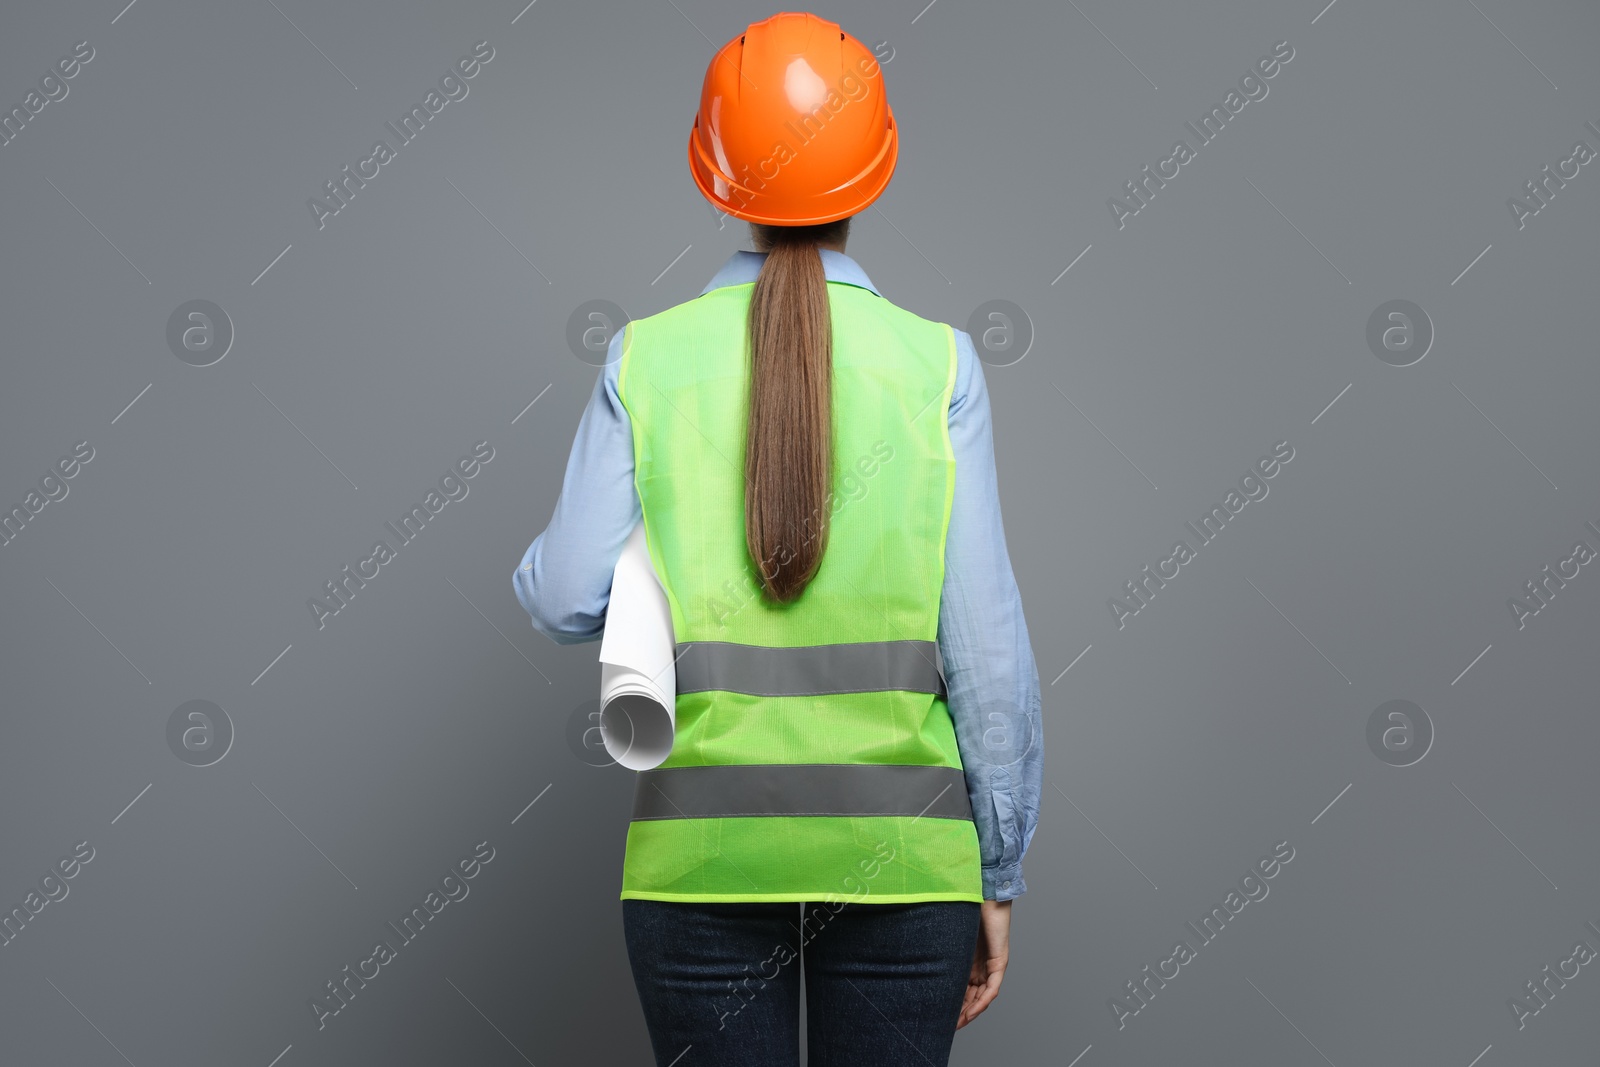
{"type": "Point", "coordinates": [848, 198]}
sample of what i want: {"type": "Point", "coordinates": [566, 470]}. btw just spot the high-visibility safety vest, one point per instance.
{"type": "Point", "coordinates": [815, 757]}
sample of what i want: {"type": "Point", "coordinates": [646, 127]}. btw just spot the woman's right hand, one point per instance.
{"type": "Point", "coordinates": [989, 959]}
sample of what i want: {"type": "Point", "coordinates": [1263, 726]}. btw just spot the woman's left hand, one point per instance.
{"type": "Point", "coordinates": [989, 959]}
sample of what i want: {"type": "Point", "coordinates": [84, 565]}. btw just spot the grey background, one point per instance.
{"type": "Point", "coordinates": [427, 716]}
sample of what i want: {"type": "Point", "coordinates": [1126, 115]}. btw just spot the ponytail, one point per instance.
{"type": "Point", "coordinates": [788, 463]}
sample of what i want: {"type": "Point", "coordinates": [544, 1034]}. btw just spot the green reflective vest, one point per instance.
{"type": "Point", "coordinates": [815, 757]}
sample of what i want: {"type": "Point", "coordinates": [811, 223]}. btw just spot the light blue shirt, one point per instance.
{"type": "Point", "coordinates": [564, 582]}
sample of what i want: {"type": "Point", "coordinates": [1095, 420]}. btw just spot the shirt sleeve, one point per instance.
{"type": "Point", "coordinates": [564, 579]}
{"type": "Point", "coordinates": [990, 674]}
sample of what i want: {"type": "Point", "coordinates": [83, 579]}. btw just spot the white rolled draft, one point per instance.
{"type": "Point", "coordinates": [638, 683]}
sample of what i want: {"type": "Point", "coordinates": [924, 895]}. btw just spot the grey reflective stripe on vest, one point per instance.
{"type": "Point", "coordinates": [861, 789]}
{"type": "Point", "coordinates": [808, 670]}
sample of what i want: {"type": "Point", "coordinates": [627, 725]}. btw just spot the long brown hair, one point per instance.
{"type": "Point", "coordinates": [788, 463]}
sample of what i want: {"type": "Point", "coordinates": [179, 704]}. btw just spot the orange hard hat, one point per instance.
{"type": "Point", "coordinates": [793, 128]}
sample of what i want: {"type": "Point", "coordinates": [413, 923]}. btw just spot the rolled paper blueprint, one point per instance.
{"type": "Point", "coordinates": [638, 682]}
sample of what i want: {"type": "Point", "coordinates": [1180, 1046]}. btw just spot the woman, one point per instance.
{"type": "Point", "coordinates": [855, 774]}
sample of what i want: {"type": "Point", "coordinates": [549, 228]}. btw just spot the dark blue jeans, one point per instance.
{"type": "Point", "coordinates": [720, 982]}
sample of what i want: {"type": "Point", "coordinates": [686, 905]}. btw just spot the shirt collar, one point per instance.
{"type": "Point", "coordinates": [742, 268]}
